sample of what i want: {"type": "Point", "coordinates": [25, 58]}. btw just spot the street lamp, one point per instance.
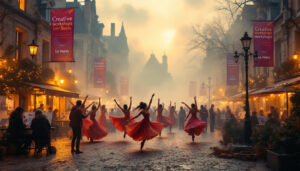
{"type": "Point", "coordinates": [246, 43]}
{"type": "Point", "coordinates": [33, 49]}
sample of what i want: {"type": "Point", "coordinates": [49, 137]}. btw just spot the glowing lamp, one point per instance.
{"type": "Point", "coordinates": [70, 71]}
{"type": "Point", "coordinates": [76, 81]}
{"type": "Point", "coordinates": [62, 81]}
{"type": "Point", "coordinates": [33, 49]}
{"type": "Point", "coordinates": [295, 56]}
{"type": "Point", "coordinates": [236, 57]}
{"type": "Point", "coordinates": [246, 41]}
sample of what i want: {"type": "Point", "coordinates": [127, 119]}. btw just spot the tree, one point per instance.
{"type": "Point", "coordinates": [286, 70]}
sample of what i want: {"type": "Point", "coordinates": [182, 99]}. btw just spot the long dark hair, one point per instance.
{"type": "Point", "coordinates": [141, 106]}
{"type": "Point", "coordinates": [17, 113]}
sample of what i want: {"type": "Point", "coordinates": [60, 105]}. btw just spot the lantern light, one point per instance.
{"type": "Point", "coordinates": [246, 41]}
{"type": "Point", "coordinates": [33, 47]}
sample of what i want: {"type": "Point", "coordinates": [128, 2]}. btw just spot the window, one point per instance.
{"type": "Point", "coordinates": [22, 4]}
{"type": "Point", "coordinates": [45, 55]}
{"type": "Point", "coordinates": [20, 46]}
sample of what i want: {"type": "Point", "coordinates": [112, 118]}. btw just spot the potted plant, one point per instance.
{"type": "Point", "coordinates": [285, 151]}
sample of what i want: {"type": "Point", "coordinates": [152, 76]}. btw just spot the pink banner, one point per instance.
{"type": "Point", "coordinates": [263, 43]}
{"type": "Point", "coordinates": [232, 70]}
{"type": "Point", "coordinates": [99, 73]}
{"type": "Point", "coordinates": [193, 88]}
{"type": "Point", "coordinates": [62, 35]}
{"type": "Point", "coordinates": [124, 86]}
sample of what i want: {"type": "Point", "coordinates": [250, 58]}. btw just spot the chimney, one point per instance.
{"type": "Point", "coordinates": [112, 30]}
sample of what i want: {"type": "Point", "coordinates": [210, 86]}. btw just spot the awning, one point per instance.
{"type": "Point", "coordinates": [288, 82]}
{"type": "Point", "coordinates": [54, 90]}
{"type": "Point", "coordinates": [240, 95]}
{"type": "Point", "coordinates": [273, 90]}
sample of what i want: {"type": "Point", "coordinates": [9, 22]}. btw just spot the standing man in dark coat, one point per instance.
{"type": "Point", "coordinates": [212, 115]}
{"type": "Point", "coordinates": [204, 116]}
{"type": "Point", "coordinates": [182, 115]}
{"type": "Point", "coordinates": [76, 117]}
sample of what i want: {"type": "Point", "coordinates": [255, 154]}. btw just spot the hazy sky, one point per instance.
{"type": "Point", "coordinates": [157, 26]}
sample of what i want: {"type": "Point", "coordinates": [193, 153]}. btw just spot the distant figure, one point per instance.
{"type": "Point", "coordinates": [76, 117]}
{"type": "Point", "coordinates": [272, 122]}
{"type": "Point", "coordinates": [41, 107]}
{"type": "Point", "coordinates": [54, 117]}
{"type": "Point", "coordinates": [120, 122]}
{"type": "Point", "coordinates": [41, 131]}
{"type": "Point", "coordinates": [182, 116]}
{"type": "Point", "coordinates": [16, 131]}
{"type": "Point", "coordinates": [228, 113]}
{"type": "Point", "coordinates": [261, 118]}
{"type": "Point", "coordinates": [194, 126]}
{"type": "Point", "coordinates": [144, 129]}
{"type": "Point", "coordinates": [102, 118]}
{"type": "Point", "coordinates": [274, 113]}
{"type": "Point", "coordinates": [204, 116]}
{"type": "Point", "coordinates": [160, 117]}
{"type": "Point", "coordinates": [253, 119]}
{"type": "Point", "coordinates": [218, 118]}
{"type": "Point", "coordinates": [95, 131]}
{"type": "Point", "coordinates": [112, 112]}
{"type": "Point", "coordinates": [284, 116]}
{"type": "Point", "coordinates": [212, 117]}
{"type": "Point", "coordinates": [172, 116]}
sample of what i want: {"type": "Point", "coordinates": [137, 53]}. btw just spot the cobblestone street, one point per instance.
{"type": "Point", "coordinates": [170, 152]}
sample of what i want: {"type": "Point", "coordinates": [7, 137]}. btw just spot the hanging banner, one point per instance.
{"type": "Point", "coordinates": [202, 90]}
{"type": "Point", "coordinates": [124, 86]}
{"type": "Point", "coordinates": [232, 70]}
{"type": "Point", "coordinates": [193, 88]}
{"type": "Point", "coordinates": [263, 43]}
{"type": "Point", "coordinates": [99, 72]}
{"type": "Point", "coordinates": [62, 35]}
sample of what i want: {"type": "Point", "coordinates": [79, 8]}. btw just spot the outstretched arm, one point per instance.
{"type": "Point", "coordinates": [186, 105]}
{"type": "Point", "coordinates": [130, 103]}
{"type": "Point", "coordinates": [170, 105]}
{"type": "Point", "coordinates": [187, 116]}
{"type": "Point", "coordinates": [195, 98]}
{"type": "Point", "coordinates": [118, 104]}
{"type": "Point", "coordinates": [71, 103]}
{"type": "Point", "coordinates": [89, 106]}
{"type": "Point", "coordinates": [136, 116]}
{"type": "Point", "coordinates": [150, 101]}
{"type": "Point", "coordinates": [85, 100]}
{"type": "Point", "coordinates": [158, 102]}
{"type": "Point", "coordinates": [99, 104]}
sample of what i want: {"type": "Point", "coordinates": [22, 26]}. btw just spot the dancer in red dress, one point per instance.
{"type": "Point", "coordinates": [102, 118]}
{"type": "Point", "coordinates": [121, 122]}
{"type": "Point", "coordinates": [95, 130]}
{"type": "Point", "coordinates": [172, 116]}
{"type": "Point", "coordinates": [194, 126]}
{"type": "Point", "coordinates": [144, 129]}
{"type": "Point", "coordinates": [160, 117]}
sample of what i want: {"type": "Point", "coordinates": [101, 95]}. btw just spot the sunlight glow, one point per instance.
{"type": "Point", "coordinates": [168, 36]}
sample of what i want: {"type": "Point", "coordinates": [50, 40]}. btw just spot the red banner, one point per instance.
{"type": "Point", "coordinates": [232, 70]}
{"type": "Point", "coordinates": [202, 90]}
{"type": "Point", "coordinates": [263, 43]}
{"type": "Point", "coordinates": [99, 73]}
{"type": "Point", "coordinates": [124, 86]}
{"type": "Point", "coordinates": [62, 35]}
{"type": "Point", "coordinates": [193, 88]}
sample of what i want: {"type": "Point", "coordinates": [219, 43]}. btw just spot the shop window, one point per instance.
{"type": "Point", "coordinates": [22, 4]}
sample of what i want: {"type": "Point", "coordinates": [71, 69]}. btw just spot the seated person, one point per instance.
{"type": "Point", "coordinates": [16, 131]}
{"type": "Point", "coordinates": [41, 131]}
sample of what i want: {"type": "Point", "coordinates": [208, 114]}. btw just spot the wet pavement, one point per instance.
{"type": "Point", "coordinates": [170, 152]}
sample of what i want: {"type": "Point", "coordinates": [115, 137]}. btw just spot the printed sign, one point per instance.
{"type": "Point", "coordinates": [232, 70]}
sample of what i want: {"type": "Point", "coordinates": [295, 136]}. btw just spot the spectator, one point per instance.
{"type": "Point", "coordinates": [41, 131]}
{"type": "Point", "coordinates": [41, 108]}
{"type": "Point", "coordinates": [254, 120]}
{"type": "Point", "coordinates": [204, 115]}
{"type": "Point", "coordinates": [261, 118]}
{"type": "Point", "coordinates": [182, 116]}
{"type": "Point", "coordinates": [16, 131]}
{"type": "Point", "coordinates": [212, 115]}
{"type": "Point", "coordinates": [274, 113]}
{"type": "Point", "coordinates": [284, 116]}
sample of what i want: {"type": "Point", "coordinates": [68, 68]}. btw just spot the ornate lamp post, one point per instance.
{"type": "Point", "coordinates": [33, 47]}
{"type": "Point", "coordinates": [246, 42]}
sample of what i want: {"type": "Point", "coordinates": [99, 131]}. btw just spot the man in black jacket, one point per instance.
{"type": "Point", "coordinates": [76, 117]}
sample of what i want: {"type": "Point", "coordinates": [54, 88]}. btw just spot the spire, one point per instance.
{"type": "Point", "coordinates": [122, 32]}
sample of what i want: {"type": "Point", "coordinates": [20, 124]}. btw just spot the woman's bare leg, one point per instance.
{"type": "Point", "coordinates": [142, 144]}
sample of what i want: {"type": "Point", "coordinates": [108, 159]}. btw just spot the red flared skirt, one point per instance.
{"type": "Point", "coordinates": [144, 130]}
{"type": "Point", "coordinates": [195, 126]}
{"type": "Point", "coordinates": [164, 120]}
{"type": "Point", "coordinates": [172, 120]}
{"type": "Point", "coordinates": [86, 123]}
{"type": "Point", "coordinates": [96, 131]}
{"type": "Point", "coordinates": [120, 122]}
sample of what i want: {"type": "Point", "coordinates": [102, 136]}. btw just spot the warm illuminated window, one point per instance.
{"type": "Point", "coordinates": [22, 5]}
{"type": "Point", "coordinates": [20, 46]}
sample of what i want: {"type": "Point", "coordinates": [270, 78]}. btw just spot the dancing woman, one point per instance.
{"type": "Point", "coordinates": [121, 122]}
{"type": "Point", "coordinates": [159, 117]}
{"type": "Point", "coordinates": [172, 116]}
{"type": "Point", "coordinates": [102, 118]}
{"type": "Point", "coordinates": [144, 129]}
{"type": "Point", "coordinates": [194, 126]}
{"type": "Point", "coordinates": [95, 130]}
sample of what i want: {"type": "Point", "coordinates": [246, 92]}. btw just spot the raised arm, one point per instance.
{"type": "Point", "coordinates": [186, 105]}
{"type": "Point", "coordinates": [85, 100]}
{"type": "Point", "coordinates": [195, 98]}
{"type": "Point", "coordinates": [170, 105]}
{"type": "Point", "coordinates": [150, 101]}
{"type": "Point", "coordinates": [118, 104]}
{"type": "Point", "coordinates": [71, 103]}
{"type": "Point", "coordinates": [175, 105]}
{"type": "Point", "coordinates": [130, 103]}
{"type": "Point", "coordinates": [187, 116]}
{"type": "Point", "coordinates": [89, 106]}
{"type": "Point", "coordinates": [136, 116]}
{"type": "Point", "coordinates": [158, 102]}
{"type": "Point", "coordinates": [99, 104]}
